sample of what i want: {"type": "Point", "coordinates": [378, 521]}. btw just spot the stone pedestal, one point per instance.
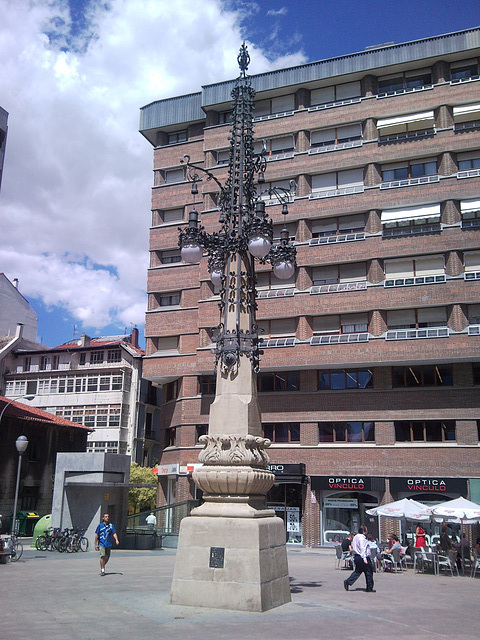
{"type": "Point", "coordinates": [249, 559]}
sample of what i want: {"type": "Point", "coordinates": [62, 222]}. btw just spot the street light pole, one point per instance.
{"type": "Point", "coordinates": [21, 444]}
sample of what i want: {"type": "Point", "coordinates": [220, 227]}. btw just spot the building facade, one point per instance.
{"type": "Point", "coordinates": [15, 310]}
{"type": "Point", "coordinates": [3, 139]}
{"type": "Point", "coordinates": [96, 382]}
{"type": "Point", "coordinates": [370, 378]}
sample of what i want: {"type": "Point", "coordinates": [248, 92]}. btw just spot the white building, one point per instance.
{"type": "Point", "coordinates": [95, 382]}
{"type": "Point", "coordinates": [14, 310]}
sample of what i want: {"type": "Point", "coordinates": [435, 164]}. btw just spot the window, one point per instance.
{"type": "Point", "coordinates": [104, 383]}
{"type": "Point", "coordinates": [277, 328]}
{"type": "Point", "coordinates": [281, 184]}
{"type": "Point", "coordinates": [171, 390]}
{"type": "Point", "coordinates": [464, 69]}
{"type": "Point", "coordinates": [31, 387]}
{"type": "Point", "coordinates": [471, 262]}
{"type": "Point", "coordinates": [466, 117]}
{"type": "Point", "coordinates": [470, 213]}
{"type": "Point", "coordinates": [92, 383]}
{"type": "Point", "coordinates": [415, 267]}
{"type": "Point", "coordinates": [346, 432]}
{"type": "Point", "coordinates": [271, 106]}
{"type": "Point", "coordinates": [473, 313]}
{"type": "Point", "coordinates": [338, 226]}
{"type": "Point", "coordinates": [47, 363]}
{"type": "Point", "coordinates": [168, 216]}
{"type": "Point", "coordinates": [174, 175]}
{"type": "Point", "coordinates": [279, 381]}
{"type": "Point", "coordinates": [223, 156]}
{"type": "Point", "coordinates": [267, 280]}
{"type": "Point", "coordinates": [170, 257]}
{"type": "Point", "coordinates": [338, 93]}
{"type": "Point", "coordinates": [27, 363]}
{"type": "Point", "coordinates": [337, 273]}
{"type": "Point", "coordinates": [407, 171]}
{"type": "Point", "coordinates": [468, 161]}
{"type": "Point", "coordinates": [83, 358]}
{"type": "Point", "coordinates": [92, 415]}
{"type": "Point", "coordinates": [225, 117]}
{"type": "Point", "coordinates": [334, 325]}
{"type": "Point", "coordinates": [176, 137]}
{"type": "Point", "coordinates": [422, 376]}
{"type": "Point", "coordinates": [407, 81]}
{"type": "Point", "coordinates": [425, 431]}
{"type": "Point", "coordinates": [417, 318]}
{"type": "Point", "coordinates": [169, 299]}
{"type": "Point", "coordinates": [207, 385]}
{"type": "Point", "coordinates": [96, 357]}
{"type": "Point", "coordinates": [201, 430]}
{"type": "Point", "coordinates": [169, 343]}
{"type": "Point", "coordinates": [282, 431]}
{"type": "Point", "coordinates": [275, 146]}
{"type": "Point", "coordinates": [408, 126]}
{"type": "Point", "coordinates": [345, 379]}
{"type": "Point", "coordinates": [170, 437]}
{"type": "Point", "coordinates": [399, 221]}
{"type": "Point", "coordinates": [114, 355]}
{"type": "Point", "coordinates": [476, 373]}
{"type": "Point", "coordinates": [336, 135]}
{"type": "Point", "coordinates": [116, 383]}
{"type": "Point", "coordinates": [342, 181]}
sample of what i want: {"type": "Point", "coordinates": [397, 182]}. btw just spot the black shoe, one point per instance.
{"type": "Point", "coordinates": [345, 585]}
{"type": "Point", "coordinates": [370, 590]}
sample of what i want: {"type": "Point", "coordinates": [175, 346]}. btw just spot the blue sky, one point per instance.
{"type": "Point", "coordinates": [76, 186]}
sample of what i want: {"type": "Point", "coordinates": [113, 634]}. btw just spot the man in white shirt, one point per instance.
{"type": "Point", "coordinates": [151, 521]}
{"type": "Point", "coordinates": [362, 561]}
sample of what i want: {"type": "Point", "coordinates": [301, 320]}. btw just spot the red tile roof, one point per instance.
{"type": "Point", "coordinates": [27, 412]}
{"type": "Point", "coordinates": [103, 341]}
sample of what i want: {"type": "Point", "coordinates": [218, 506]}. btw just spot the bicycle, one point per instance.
{"type": "Point", "coordinates": [16, 547]}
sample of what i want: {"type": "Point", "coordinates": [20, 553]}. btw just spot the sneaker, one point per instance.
{"type": "Point", "coordinates": [370, 590]}
{"type": "Point", "coordinates": [102, 573]}
{"type": "Point", "coordinates": [345, 585]}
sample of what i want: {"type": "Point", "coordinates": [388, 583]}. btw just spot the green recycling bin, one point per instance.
{"type": "Point", "coordinates": [26, 521]}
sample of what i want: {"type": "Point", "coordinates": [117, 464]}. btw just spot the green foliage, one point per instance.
{"type": "Point", "coordinates": [142, 497]}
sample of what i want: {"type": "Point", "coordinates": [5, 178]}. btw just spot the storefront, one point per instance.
{"type": "Point", "coordinates": [430, 491]}
{"type": "Point", "coordinates": [343, 502]}
{"type": "Point", "coordinates": [286, 497]}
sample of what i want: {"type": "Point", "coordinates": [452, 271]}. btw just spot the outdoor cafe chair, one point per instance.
{"type": "Point", "coordinates": [375, 559]}
{"type": "Point", "coordinates": [342, 556]}
{"type": "Point", "coordinates": [398, 560]}
{"type": "Point", "coordinates": [475, 564]}
{"type": "Point", "coordinates": [448, 561]}
{"type": "Point", "coordinates": [423, 561]}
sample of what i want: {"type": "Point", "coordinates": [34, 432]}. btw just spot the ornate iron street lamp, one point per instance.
{"type": "Point", "coordinates": [249, 539]}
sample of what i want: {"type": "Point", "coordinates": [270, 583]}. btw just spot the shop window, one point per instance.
{"type": "Point", "coordinates": [171, 437]}
{"type": "Point", "coordinates": [207, 385]}
{"type": "Point", "coordinates": [345, 379]}
{"type": "Point", "coordinates": [346, 432]}
{"type": "Point", "coordinates": [201, 430]}
{"type": "Point", "coordinates": [422, 376]}
{"type": "Point", "coordinates": [425, 431]}
{"type": "Point", "coordinates": [407, 81]}
{"type": "Point", "coordinates": [279, 381]}
{"type": "Point", "coordinates": [282, 431]}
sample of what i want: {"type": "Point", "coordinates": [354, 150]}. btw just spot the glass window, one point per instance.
{"type": "Point", "coordinates": [282, 431]}
{"type": "Point", "coordinates": [279, 381]}
{"type": "Point", "coordinates": [176, 137]}
{"type": "Point", "coordinates": [346, 431]}
{"type": "Point", "coordinates": [207, 385]}
{"type": "Point", "coordinates": [424, 431]}
{"type": "Point", "coordinates": [96, 357]}
{"type": "Point", "coordinates": [422, 376]}
{"type": "Point", "coordinates": [114, 355]}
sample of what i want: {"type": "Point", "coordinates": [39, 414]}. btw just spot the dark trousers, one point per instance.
{"type": "Point", "coordinates": [361, 567]}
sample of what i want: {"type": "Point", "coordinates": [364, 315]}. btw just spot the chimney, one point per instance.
{"type": "Point", "coordinates": [15, 283]}
{"type": "Point", "coordinates": [19, 331]}
{"type": "Point", "coordinates": [84, 340]}
{"type": "Point", "coordinates": [134, 337]}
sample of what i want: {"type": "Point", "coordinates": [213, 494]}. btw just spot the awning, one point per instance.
{"type": "Point", "coordinates": [466, 112]}
{"type": "Point", "coordinates": [466, 206]}
{"type": "Point", "coordinates": [425, 119]}
{"type": "Point", "coordinates": [412, 213]}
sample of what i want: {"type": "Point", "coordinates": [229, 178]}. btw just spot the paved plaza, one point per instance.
{"type": "Point", "coordinates": [52, 596]}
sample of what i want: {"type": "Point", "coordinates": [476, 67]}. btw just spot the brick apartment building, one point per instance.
{"type": "Point", "coordinates": [370, 381]}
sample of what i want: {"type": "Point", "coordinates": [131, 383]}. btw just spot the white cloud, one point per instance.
{"type": "Point", "coordinates": [278, 12]}
{"type": "Point", "coordinates": [75, 200]}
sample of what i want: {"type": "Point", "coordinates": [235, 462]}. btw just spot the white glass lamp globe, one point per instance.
{"type": "Point", "coordinates": [259, 246]}
{"type": "Point", "coordinates": [191, 253]}
{"type": "Point", "coordinates": [284, 270]}
{"type": "Point", "coordinates": [216, 277]}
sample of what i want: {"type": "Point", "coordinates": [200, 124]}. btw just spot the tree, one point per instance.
{"type": "Point", "coordinates": [142, 497]}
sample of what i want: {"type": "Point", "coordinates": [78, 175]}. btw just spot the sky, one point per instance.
{"type": "Point", "coordinates": [76, 188]}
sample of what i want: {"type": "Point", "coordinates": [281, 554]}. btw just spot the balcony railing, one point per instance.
{"type": "Point", "coordinates": [274, 293]}
{"type": "Point", "coordinates": [344, 338]}
{"type": "Point", "coordinates": [330, 193]}
{"type": "Point", "coordinates": [268, 343]}
{"type": "Point", "coordinates": [342, 237]}
{"type": "Point", "coordinates": [409, 182]}
{"type": "Point", "coordinates": [472, 275]}
{"type": "Point", "coordinates": [338, 288]}
{"type": "Point", "coordinates": [415, 334]}
{"type": "Point", "coordinates": [410, 281]}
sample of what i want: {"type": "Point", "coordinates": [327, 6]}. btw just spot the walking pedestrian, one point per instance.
{"type": "Point", "coordinates": [103, 540]}
{"type": "Point", "coordinates": [151, 521]}
{"type": "Point", "coordinates": [362, 561]}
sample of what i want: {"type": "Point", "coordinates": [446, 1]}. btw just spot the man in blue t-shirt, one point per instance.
{"type": "Point", "coordinates": [103, 540]}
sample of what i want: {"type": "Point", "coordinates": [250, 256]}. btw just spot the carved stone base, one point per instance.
{"type": "Point", "coordinates": [231, 563]}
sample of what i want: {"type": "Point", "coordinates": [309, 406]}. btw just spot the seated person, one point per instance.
{"type": "Point", "coordinates": [347, 543]}
{"type": "Point", "coordinates": [393, 543]}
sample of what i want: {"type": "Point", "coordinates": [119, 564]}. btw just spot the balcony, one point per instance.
{"type": "Point", "coordinates": [344, 338]}
{"type": "Point", "coordinates": [274, 293]}
{"type": "Point", "coordinates": [410, 182]}
{"type": "Point", "coordinates": [416, 334]}
{"type": "Point", "coordinates": [268, 343]}
{"type": "Point", "coordinates": [344, 237]}
{"type": "Point", "coordinates": [411, 281]}
{"type": "Point", "coordinates": [338, 288]}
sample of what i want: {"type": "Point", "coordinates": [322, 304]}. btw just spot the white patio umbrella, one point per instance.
{"type": "Point", "coordinates": [459, 510]}
{"type": "Point", "coordinates": [406, 509]}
